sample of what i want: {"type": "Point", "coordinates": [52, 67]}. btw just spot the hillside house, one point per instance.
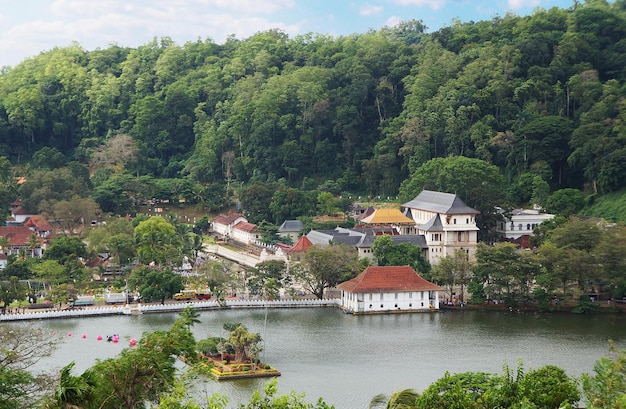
{"type": "Point", "coordinates": [246, 233]}
{"type": "Point", "coordinates": [291, 229]}
{"type": "Point", "coordinates": [520, 223]}
{"type": "Point", "coordinates": [224, 224]}
{"type": "Point", "coordinates": [446, 222]}
{"type": "Point", "coordinates": [389, 289]}
{"type": "Point", "coordinates": [21, 238]}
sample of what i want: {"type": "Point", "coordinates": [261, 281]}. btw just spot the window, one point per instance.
{"type": "Point", "coordinates": [512, 226]}
{"type": "Point", "coordinates": [466, 221]}
{"type": "Point", "coordinates": [371, 296]}
{"type": "Point", "coordinates": [396, 296]}
{"type": "Point", "coordinates": [519, 227]}
{"type": "Point", "coordinates": [454, 220]}
{"type": "Point", "coordinates": [381, 296]}
{"type": "Point", "coordinates": [528, 226]}
{"type": "Point", "coordinates": [410, 295]}
{"type": "Point", "coordinates": [460, 236]}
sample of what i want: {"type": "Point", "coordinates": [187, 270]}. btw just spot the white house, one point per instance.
{"type": "Point", "coordinates": [223, 224]}
{"type": "Point", "coordinates": [245, 232]}
{"type": "Point", "coordinates": [3, 261]}
{"type": "Point", "coordinates": [520, 223]}
{"type": "Point", "coordinates": [389, 289]}
{"type": "Point", "coordinates": [446, 222]}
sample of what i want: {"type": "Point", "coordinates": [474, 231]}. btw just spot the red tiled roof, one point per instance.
{"type": "Point", "coordinates": [226, 219]}
{"type": "Point", "coordinates": [17, 235]}
{"type": "Point", "coordinates": [39, 223]}
{"type": "Point", "coordinates": [301, 246]}
{"type": "Point", "coordinates": [387, 279]}
{"type": "Point", "coordinates": [245, 226]}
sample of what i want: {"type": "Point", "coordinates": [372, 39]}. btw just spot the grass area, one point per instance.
{"type": "Point", "coordinates": [611, 207]}
{"type": "Point", "coordinates": [188, 213]}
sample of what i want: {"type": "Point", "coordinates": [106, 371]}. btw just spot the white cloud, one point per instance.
{"type": "Point", "coordinates": [370, 10]}
{"type": "Point", "coordinates": [393, 21]}
{"type": "Point", "coordinates": [518, 4]}
{"type": "Point", "coordinates": [433, 4]}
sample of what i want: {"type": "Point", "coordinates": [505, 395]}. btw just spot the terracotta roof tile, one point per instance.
{"type": "Point", "coordinates": [301, 246]}
{"type": "Point", "coordinates": [245, 226]}
{"type": "Point", "coordinates": [39, 223]}
{"type": "Point", "coordinates": [378, 279]}
{"type": "Point", "coordinates": [226, 219]}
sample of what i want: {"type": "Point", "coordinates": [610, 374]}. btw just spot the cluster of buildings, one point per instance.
{"type": "Point", "coordinates": [23, 233]}
{"type": "Point", "coordinates": [438, 223]}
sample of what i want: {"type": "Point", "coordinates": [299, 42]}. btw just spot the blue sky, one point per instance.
{"type": "Point", "coordinates": [28, 27]}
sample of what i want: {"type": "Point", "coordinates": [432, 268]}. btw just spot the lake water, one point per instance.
{"type": "Point", "coordinates": [348, 359]}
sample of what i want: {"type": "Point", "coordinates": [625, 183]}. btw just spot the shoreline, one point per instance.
{"type": "Point", "coordinates": [173, 307]}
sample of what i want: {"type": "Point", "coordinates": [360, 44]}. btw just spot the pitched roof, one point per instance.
{"type": "Point", "coordinates": [415, 239]}
{"type": "Point", "coordinates": [245, 226]}
{"type": "Point", "coordinates": [366, 212]}
{"type": "Point", "coordinates": [434, 224]}
{"type": "Point", "coordinates": [226, 219]}
{"type": "Point", "coordinates": [38, 223]}
{"type": "Point", "coordinates": [387, 216]}
{"type": "Point", "coordinates": [438, 202]}
{"type": "Point", "coordinates": [290, 226]}
{"type": "Point", "coordinates": [301, 246]}
{"type": "Point", "coordinates": [378, 279]}
{"type": "Point", "coordinates": [17, 235]}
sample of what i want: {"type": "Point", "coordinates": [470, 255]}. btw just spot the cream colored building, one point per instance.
{"type": "Point", "coordinates": [446, 222]}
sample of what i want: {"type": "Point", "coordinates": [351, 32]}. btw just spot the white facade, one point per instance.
{"type": "Point", "coordinates": [389, 301]}
{"type": "Point", "coordinates": [225, 228]}
{"type": "Point", "coordinates": [521, 222]}
{"type": "Point", "coordinates": [244, 236]}
{"type": "Point", "coordinates": [446, 222]}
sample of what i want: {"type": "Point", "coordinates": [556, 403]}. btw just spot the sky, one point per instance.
{"type": "Point", "coordinates": [28, 27]}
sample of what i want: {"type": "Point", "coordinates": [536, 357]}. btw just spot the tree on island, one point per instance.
{"type": "Point", "coordinates": [242, 341]}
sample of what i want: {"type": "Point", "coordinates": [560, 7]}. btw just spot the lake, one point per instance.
{"type": "Point", "coordinates": [348, 359]}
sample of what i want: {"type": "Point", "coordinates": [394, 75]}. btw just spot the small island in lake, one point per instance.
{"type": "Point", "coordinates": [237, 356]}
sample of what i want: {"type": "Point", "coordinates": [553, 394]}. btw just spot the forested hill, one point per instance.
{"type": "Point", "coordinates": [536, 96]}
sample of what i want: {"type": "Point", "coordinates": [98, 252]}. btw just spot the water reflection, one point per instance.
{"type": "Point", "coordinates": [348, 359]}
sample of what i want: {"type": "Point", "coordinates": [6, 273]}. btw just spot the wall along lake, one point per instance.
{"type": "Point", "coordinates": [347, 360]}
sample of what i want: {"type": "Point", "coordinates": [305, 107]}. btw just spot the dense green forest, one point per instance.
{"type": "Point", "coordinates": [541, 97]}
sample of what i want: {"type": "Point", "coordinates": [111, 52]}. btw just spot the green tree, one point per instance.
{"type": "Point", "coordinates": [155, 283]}
{"type": "Point", "coordinates": [549, 387]}
{"type": "Point", "coordinates": [453, 271]}
{"type": "Point", "coordinates": [270, 399]}
{"type": "Point", "coordinates": [325, 267]}
{"type": "Point", "coordinates": [606, 389]}
{"type": "Point", "coordinates": [10, 291]}
{"type": "Point", "coordinates": [404, 254]}
{"type": "Point", "coordinates": [268, 278]}
{"type": "Point", "coordinates": [566, 202]}
{"type": "Point", "coordinates": [65, 249]}
{"type": "Point", "coordinates": [157, 242]}
{"type": "Point", "coordinates": [241, 340]}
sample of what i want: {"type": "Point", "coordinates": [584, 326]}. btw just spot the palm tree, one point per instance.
{"type": "Point", "coordinates": [190, 316]}
{"type": "Point", "coordinates": [404, 399]}
{"type": "Point", "coordinates": [32, 243]}
{"type": "Point", "coordinates": [73, 391]}
{"type": "Point", "coordinates": [5, 243]}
